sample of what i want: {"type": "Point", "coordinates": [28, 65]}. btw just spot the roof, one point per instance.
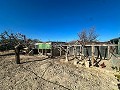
{"type": "Point", "coordinates": [115, 38]}
{"type": "Point", "coordinates": [80, 42]}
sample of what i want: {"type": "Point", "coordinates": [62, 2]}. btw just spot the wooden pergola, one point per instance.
{"type": "Point", "coordinates": [66, 48]}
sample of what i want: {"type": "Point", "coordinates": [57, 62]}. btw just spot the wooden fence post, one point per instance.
{"type": "Point", "coordinates": [60, 51]}
{"type": "Point", "coordinates": [66, 55]}
{"type": "Point", "coordinates": [93, 49]}
{"type": "Point", "coordinates": [17, 54]}
{"type": "Point", "coordinates": [74, 51]}
{"type": "Point", "coordinates": [51, 47]}
{"type": "Point", "coordinates": [80, 53]}
{"type": "Point", "coordinates": [42, 52]}
{"type": "Point", "coordinates": [108, 52]}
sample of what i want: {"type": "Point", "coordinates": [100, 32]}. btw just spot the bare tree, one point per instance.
{"type": "Point", "coordinates": [92, 35]}
{"type": "Point", "coordinates": [88, 36]}
{"type": "Point", "coordinates": [83, 35]}
{"type": "Point", "coordinates": [18, 41]}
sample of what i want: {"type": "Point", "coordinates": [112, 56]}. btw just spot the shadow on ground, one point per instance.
{"type": "Point", "coordinates": [34, 61]}
{"type": "Point", "coordinates": [8, 54]}
{"type": "Point", "coordinates": [119, 86]}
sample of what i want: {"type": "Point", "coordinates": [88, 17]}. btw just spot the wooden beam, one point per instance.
{"type": "Point", "coordinates": [94, 45]}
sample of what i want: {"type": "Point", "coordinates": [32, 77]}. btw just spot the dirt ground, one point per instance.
{"type": "Point", "coordinates": [41, 73]}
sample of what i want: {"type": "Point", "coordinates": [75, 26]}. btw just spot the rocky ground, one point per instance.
{"type": "Point", "coordinates": [41, 73]}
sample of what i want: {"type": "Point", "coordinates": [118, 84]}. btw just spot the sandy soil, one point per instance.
{"type": "Point", "coordinates": [41, 73]}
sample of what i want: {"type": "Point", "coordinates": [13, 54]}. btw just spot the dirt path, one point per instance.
{"type": "Point", "coordinates": [36, 73]}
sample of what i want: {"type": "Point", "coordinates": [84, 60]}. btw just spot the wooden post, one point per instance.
{"type": "Point", "coordinates": [60, 51]}
{"type": "Point", "coordinates": [80, 52]}
{"type": "Point", "coordinates": [74, 51]}
{"type": "Point", "coordinates": [51, 52]}
{"type": "Point", "coordinates": [17, 54]}
{"type": "Point", "coordinates": [119, 46]}
{"type": "Point", "coordinates": [45, 52]}
{"type": "Point", "coordinates": [38, 52]}
{"type": "Point", "coordinates": [87, 52]}
{"type": "Point", "coordinates": [75, 54]}
{"type": "Point", "coordinates": [42, 52]}
{"type": "Point", "coordinates": [83, 50]}
{"type": "Point", "coordinates": [99, 52]}
{"type": "Point", "coordinates": [66, 55]}
{"type": "Point", "coordinates": [93, 49]}
{"type": "Point", "coordinates": [105, 53]}
{"type": "Point", "coordinates": [108, 52]}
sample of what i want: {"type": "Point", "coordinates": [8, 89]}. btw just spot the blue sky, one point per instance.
{"type": "Point", "coordinates": [60, 20]}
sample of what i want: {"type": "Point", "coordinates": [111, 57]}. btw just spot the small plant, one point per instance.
{"type": "Point", "coordinates": [118, 77]}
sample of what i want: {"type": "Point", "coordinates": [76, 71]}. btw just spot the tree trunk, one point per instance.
{"type": "Point", "coordinates": [17, 54]}
{"type": "Point", "coordinates": [99, 53]}
{"type": "Point", "coordinates": [87, 52]}
{"type": "Point", "coordinates": [66, 57]}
